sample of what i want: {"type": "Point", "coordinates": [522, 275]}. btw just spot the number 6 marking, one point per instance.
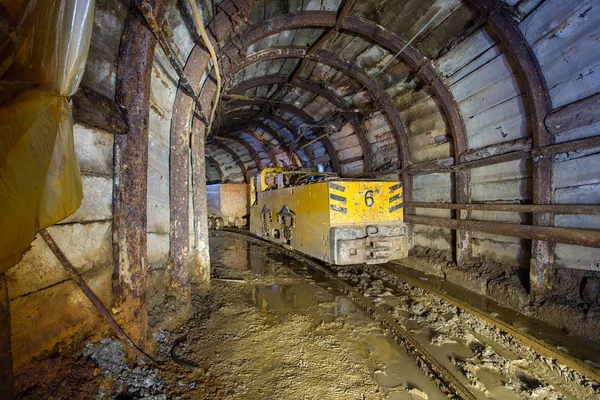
{"type": "Point", "coordinates": [369, 200]}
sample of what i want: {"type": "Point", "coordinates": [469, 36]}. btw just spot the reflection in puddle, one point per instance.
{"type": "Point", "coordinates": [293, 288]}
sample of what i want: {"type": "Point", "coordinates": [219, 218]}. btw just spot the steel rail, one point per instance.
{"type": "Point", "coordinates": [432, 368]}
{"type": "Point", "coordinates": [523, 338]}
{"type": "Point", "coordinates": [526, 339]}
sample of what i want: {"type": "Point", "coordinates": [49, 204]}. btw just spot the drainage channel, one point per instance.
{"type": "Point", "coordinates": [466, 355]}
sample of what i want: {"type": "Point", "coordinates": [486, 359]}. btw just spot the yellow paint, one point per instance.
{"type": "Point", "coordinates": [356, 195]}
{"type": "Point", "coordinates": [321, 206]}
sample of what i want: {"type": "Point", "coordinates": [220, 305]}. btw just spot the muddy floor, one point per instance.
{"type": "Point", "coordinates": [270, 328]}
{"type": "Point", "coordinates": [267, 328]}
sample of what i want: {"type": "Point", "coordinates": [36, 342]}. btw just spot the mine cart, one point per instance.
{"type": "Point", "coordinates": [227, 205]}
{"type": "Point", "coordinates": [341, 221]}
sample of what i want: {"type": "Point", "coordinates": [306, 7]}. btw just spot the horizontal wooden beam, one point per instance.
{"type": "Point", "coordinates": [573, 236]}
{"type": "Point", "coordinates": [586, 209]}
{"type": "Point", "coordinates": [522, 144]}
{"type": "Point", "coordinates": [580, 113]}
{"type": "Point", "coordinates": [94, 110]}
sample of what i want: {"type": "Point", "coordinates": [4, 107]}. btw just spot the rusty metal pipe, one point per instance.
{"type": "Point", "coordinates": [93, 298]}
{"type": "Point", "coordinates": [574, 236]}
{"type": "Point", "coordinates": [585, 209]}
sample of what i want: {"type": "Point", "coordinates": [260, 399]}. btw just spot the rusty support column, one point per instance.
{"type": "Point", "coordinates": [136, 55]}
{"type": "Point", "coordinates": [201, 267]}
{"type": "Point", "coordinates": [181, 130]}
{"type": "Point", "coordinates": [6, 362]}
{"type": "Point", "coordinates": [538, 103]}
{"type": "Point", "coordinates": [462, 183]}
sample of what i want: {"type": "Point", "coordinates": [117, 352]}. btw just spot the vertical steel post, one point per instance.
{"type": "Point", "coordinates": [134, 72]}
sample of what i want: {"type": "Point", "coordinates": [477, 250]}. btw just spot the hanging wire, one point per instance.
{"type": "Point", "coordinates": [346, 101]}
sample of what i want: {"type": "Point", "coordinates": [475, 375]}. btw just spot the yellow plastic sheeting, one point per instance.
{"type": "Point", "coordinates": [53, 38]}
{"type": "Point", "coordinates": [40, 180]}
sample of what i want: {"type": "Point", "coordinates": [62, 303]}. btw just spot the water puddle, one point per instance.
{"type": "Point", "coordinates": [284, 286]}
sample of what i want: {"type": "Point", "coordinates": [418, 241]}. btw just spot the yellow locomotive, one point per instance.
{"type": "Point", "coordinates": [340, 221]}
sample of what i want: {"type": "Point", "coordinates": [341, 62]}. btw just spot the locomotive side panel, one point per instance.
{"type": "Point", "coordinates": [296, 216]}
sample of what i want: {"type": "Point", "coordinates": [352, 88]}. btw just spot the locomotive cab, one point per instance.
{"type": "Point", "coordinates": [341, 221]}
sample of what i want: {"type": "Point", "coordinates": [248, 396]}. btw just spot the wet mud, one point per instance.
{"type": "Point", "coordinates": [268, 327]}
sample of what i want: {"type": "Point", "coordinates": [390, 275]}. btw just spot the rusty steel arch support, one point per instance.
{"type": "Point", "coordinates": [305, 117]}
{"type": "Point", "coordinates": [236, 158]}
{"type": "Point", "coordinates": [317, 89]}
{"type": "Point", "coordinates": [335, 164]}
{"type": "Point", "coordinates": [507, 30]}
{"type": "Point", "coordinates": [179, 172]}
{"type": "Point", "coordinates": [268, 150]}
{"type": "Point", "coordinates": [335, 61]}
{"type": "Point", "coordinates": [134, 72]}
{"type": "Point", "coordinates": [277, 119]}
{"type": "Point", "coordinates": [293, 157]}
{"type": "Point", "coordinates": [217, 166]}
{"type": "Point", "coordinates": [251, 151]}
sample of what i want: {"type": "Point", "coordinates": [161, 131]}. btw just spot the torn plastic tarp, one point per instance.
{"type": "Point", "coordinates": [53, 39]}
{"type": "Point", "coordinates": [40, 180]}
{"type": "Point", "coordinates": [46, 46]}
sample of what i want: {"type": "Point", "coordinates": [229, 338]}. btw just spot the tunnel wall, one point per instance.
{"type": "Point", "coordinates": [48, 308]}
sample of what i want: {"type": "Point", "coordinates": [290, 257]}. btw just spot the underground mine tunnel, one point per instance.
{"type": "Point", "coordinates": [299, 199]}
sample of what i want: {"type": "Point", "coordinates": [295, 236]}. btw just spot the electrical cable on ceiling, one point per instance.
{"type": "Point", "coordinates": [213, 56]}
{"type": "Point", "coordinates": [346, 101]}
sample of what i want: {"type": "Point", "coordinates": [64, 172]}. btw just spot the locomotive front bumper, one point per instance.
{"type": "Point", "coordinates": [371, 244]}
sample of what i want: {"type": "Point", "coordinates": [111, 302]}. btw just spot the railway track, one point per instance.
{"type": "Point", "coordinates": [372, 287]}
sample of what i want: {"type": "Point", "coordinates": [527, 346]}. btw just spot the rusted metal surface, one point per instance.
{"type": "Point", "coordinates": [286, 108]}
{"type": "Point", "coordinates": [231, 134]}
{"type": "Point", "coordinates": [577, 237]}
{"type": "Point", "coordinates": [252, 116]}
{"type": "Point", "coordinates": [6, 360]}
{"type": "Point", "coordinates": [575, 145]}
{"type": "Point", "coordinates": [268, 149]}
{"type": "Point", "coordinates": [215, 165]}
{"type": "Point", "coordinates": [236, 158]}
{"type": "Point", "coordinates": [587, 209]}
{"type": "Point", "coordinates": [522, 144]}
{"type": "Point", "coordinates": [201, 267]}
{"type": "Point", "coordinates": [92, 109]}
{"type": "Point", "coordinates": [277, 136]}
{"type": "Point", "coordinates": [147, 11]}
{"type": "Point", "coordinates": [345, 7]}
{"type": "Point", "coordinates": [255, 156]}
{"type": "Point", "coordinates": [136, 55]}
{"type": "Point", "coordinates": [89, 293]}
{"type": "Point", "coordinates": [181, 131]}
{"type": "Point", "coordinates": [537, 98]}
{"type": "Point", "coordinates": [308, 119]}
{"type": "Point", "coordinates": [317, 89]}
{"type": "Point", "coordinates": [379, 95]}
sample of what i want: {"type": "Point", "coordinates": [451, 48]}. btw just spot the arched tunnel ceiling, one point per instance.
{"type": "Point", "coordinates": [368, 88]}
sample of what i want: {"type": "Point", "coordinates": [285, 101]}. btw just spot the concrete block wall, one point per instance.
{"type": "Point", "coordinates": [46, 305]}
